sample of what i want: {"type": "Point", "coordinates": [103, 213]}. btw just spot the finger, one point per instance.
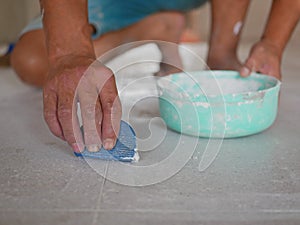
{"type": "Point", "coordinates": [77, 146]}
{"type": "Point", "coordinates": [98, 119]}
{"type": "Point", "coordinates": [112, 112]}
{"type": "Point", "coordinates": [91, 116]}
{"type": "Point", "coordinates": [67, 116]}
{"type": "Point", "coordinates": [248, 67]}
{"type": "Point", "coordinates": [50, 112]}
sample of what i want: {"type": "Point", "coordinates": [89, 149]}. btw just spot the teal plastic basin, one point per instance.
{"type": "Point", "coordinates": [218, 104]}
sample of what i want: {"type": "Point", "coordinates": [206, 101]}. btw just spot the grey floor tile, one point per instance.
{"type": "Point", "coordinates": [46, 218]}
{"type": "Point", "coordinates": [191, 218]}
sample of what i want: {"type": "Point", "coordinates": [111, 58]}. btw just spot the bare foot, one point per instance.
{"type": "Point", "coordinates": [223, 62]}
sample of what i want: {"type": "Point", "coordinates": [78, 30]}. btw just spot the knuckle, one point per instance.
{"type": "Point", "coordinates": [81, 69]}
{"type": "Point", "coordinates": [85, 85]}
{"type": "Point", "coordinates": [112, 107]}
{"type": "Point", "coordinates": [64, 113]}
{"type": "Point", "coordinates": [108, 104]}
{"type": "Point", "coordinates": [92, 136]}
{"type": "Point", "coordinates": [66, 98]}
{"type": "Point", "coordinates": [88, 111]}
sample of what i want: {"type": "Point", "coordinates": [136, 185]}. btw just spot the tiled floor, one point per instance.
{"type": "Point", "coordinates": [254, 180]}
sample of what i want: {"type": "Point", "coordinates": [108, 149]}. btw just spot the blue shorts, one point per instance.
{"type": "Point", "coordinates": [108, 15]}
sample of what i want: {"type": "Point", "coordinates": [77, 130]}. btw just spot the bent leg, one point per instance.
{"type": "Point", "coordinates": [162, 26]}
{"type": "Point", "coordinates": [227, 22]}
{"type": "Point", "coordinates": [29, 58]}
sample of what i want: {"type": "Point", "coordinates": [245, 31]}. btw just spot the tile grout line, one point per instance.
{"type": "Point", "coordinates": [97, 210]}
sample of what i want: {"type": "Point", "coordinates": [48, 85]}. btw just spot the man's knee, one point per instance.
{"type": "Point", "coordinates": [166, 26]}
{"type": "Point", "coordinates": [172, 22]}
{"type": "Point", "coordinates": [29, 62]}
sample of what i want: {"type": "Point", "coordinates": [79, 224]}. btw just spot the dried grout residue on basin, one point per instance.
{"type": "Point", "coordinates": [218, 104]}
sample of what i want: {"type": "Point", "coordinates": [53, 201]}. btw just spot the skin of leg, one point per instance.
{"type": "Point", "coordinates": [171, 62]}
{"type": "Point", "coordinates": [227, 22]}
{"type": "Point", "coordinates": [29, 58]}
{"type": "Point", "coordinates": [162, 26]}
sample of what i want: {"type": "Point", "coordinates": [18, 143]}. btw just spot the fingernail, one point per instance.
{"type": "Point", "coordinates": [93, 148]}
{"type": "Point", "coordinates": [77, 147]}
{"type": "Point", "coordinates": [108, 144]}
{"type": "Point", "coordinates": [245, 71]}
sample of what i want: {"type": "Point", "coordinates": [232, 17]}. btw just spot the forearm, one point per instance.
{"type": "Point", "coordinates": [66, 28]}
{"type": "Point", "coordinates": [282, 20]}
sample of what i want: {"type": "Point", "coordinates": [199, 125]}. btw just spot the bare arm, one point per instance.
{"type": "Point", "coordinates": [265, 56]}
{"type": "Point", "coordinates": [283, 19]}
{"type": "Point", "coordinates": [73, 76]}
{"type": "Point", "coordinates": [67, 29]}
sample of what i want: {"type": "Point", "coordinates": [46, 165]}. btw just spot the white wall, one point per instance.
{"type": "Point", "coordinates": [14, 15]}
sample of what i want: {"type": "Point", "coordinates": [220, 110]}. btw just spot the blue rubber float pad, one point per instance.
{"type": "Point", "coordinates": [124, 150]}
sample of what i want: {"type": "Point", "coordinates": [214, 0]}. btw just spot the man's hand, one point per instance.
{"type": "Point", "coordinates": [264, 58]}
{"type": "Point", "coordinates": [81, 79]}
